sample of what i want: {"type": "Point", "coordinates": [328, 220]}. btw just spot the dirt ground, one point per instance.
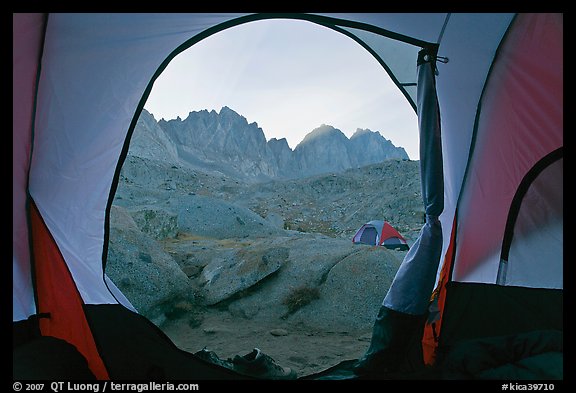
{"type": "Point", "coordinates": [305, 350]}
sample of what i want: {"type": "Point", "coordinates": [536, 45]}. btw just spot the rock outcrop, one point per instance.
{"type": "Point", "coordinates": [193, 232]}
{"type": "Point", "coordinates": [145, 273]}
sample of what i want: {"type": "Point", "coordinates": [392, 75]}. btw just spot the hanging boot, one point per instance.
{"type": "Point", "coordinates": [392, 333]}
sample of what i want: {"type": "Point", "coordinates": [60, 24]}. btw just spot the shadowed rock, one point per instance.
{"type": "Point", "coordinates": [224, 277]}
{"type": "Point", "coordinates": [144, 272]}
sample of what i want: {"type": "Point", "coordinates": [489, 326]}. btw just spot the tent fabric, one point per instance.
{"type": "Point", "coordinates": [27, 49]}
{"type": "Point", "coordinates": [521, 104]}
{"type": "Point", "coordinates": [369, 235]}
{"type": "Point", "coordinates": [394, 54]}
{"type": "Point", "coordinates": [81, 80]}
{"type": "Point", "coordinates": [58, 299]}
{"type": "Point", "coordinates": [535, 257]}
{"type": "Point", "coordinates": [470, 42]}
{"type": "Point", "coordinates": [414, 281]}
{"type": "Point", "coordinates": [430, 336]}
{"type": "Point", "coordinates": [519, 122]}
{"type": "Point", "coordinates": [420, 26]}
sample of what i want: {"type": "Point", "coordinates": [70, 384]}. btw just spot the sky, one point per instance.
{"type": "Point", "coordinates": [289, 77]}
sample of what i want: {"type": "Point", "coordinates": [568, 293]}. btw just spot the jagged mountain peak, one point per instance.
{"type": "Point", "coordinates": [227, 110]}
{"type": "Point", "coordinates": [364, 131]}
{"type": "Point", "coordinates": [324, 132]}
{"type": "Point", "coordinates": [224, 141]}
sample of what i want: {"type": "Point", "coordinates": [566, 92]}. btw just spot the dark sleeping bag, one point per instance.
{"type": "Point", "coordinates": [535, 355]}
{"type": "Point", "coordinates": [49, 358]}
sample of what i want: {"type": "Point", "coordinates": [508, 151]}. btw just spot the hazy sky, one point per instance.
{"type": "Point", "coordinates": [289, 77]}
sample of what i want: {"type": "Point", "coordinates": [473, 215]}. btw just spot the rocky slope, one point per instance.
{"type": "Point", "coordinates": [218, 261]}
{"type": "Point", "coordinates": [213, 228]}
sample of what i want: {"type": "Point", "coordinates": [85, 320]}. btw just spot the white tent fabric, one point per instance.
{"type": "Point", "coordinates": [470, 43]}
{"type": "Point", "coordinates": [536, 253]}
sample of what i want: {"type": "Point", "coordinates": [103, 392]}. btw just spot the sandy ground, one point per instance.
{"type": "Point", "coordinates": [304, 350]}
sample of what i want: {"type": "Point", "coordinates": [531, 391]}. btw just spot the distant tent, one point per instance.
{"type": "Point", "coordinates": [380, 233]}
